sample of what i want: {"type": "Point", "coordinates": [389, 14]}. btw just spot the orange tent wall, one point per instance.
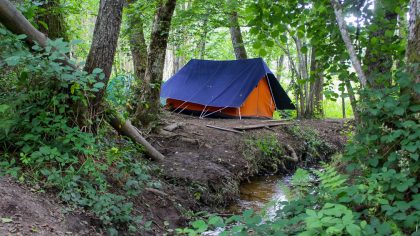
{"type": "Point", "coordinates": [259, 103]}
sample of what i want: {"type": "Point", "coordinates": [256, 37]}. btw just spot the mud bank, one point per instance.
{"type": "Point", "coordinates": [204, 167]}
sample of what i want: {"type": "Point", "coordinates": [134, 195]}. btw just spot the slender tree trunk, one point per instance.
{"type": "Point", "coordinates": [203, 39]}
{"type": "Point", "coordinates": [413, 47]}
{"type": "Point", "coordinates": [353, 101]}
{"type": "Point", "coordinates": [378, 62]}
{"type": "Point", "coordinates": [176, 61]}
{"type": "Point", "coordinates": [103, 48]}
{"type": "Point", "coordinates": [280, 62]}
{"type": "Point", "coordinates": [343, 105]}
{"type": "Point", "coordinates": [138, 47]}
{"type": "Point", "coordinates": [148, 107]}
{"type": "Point", "coordinates": [347, 41]}
{"type": "Point", "coordinates": [303, 91]}
{"type": "Point", "coordinates": [50, 19]}
{"type": "Point", "coordinates": [236, 36]}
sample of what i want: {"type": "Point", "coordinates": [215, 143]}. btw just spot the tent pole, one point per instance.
{"type": "Point", "coordinates": [214, 112]}
{"type": "Point", "coordinates": [240, 117]}
{"type": "Point", "coordinates": [201, 115]}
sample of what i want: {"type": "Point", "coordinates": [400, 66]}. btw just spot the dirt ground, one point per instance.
{"type": "Point", "coordinates": [202, 172]}
{"type": "Point", "coordinates": [23, 211]}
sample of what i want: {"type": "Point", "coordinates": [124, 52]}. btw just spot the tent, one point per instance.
{"type": "Point", "coordinates": [238, 88]}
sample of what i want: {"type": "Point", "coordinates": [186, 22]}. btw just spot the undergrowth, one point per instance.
{"type": "Point", "coordinates": [42, 144]}
{"type": "Point", "coordinates": [264, 152]}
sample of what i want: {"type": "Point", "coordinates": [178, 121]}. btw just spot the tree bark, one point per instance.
{"type": "Point", "coordinates": [413, 47]}
{"type": "Point", "coordinates": [138, 47]}
{"type": "Point", "coordinates": [236, 36]}
{"type": "Point", "coordinates": [378, 62]}
{"type": "Point", "coordinates": [280, 62]}
{"type": "Point", "coordinates": [353, 101]}
{"type": "Point", "coordinates": [50, 19]}
{"type": "Point", "coordinates": [104, 44]}
{"type": "Point", "coordinates": [14, 21]}
{"type": "Point", "coordinates": [203, 40]}
{"type": "Point", "coordinates": [347, 41]}
{"type": "Point", "coordinates": [148, 107]}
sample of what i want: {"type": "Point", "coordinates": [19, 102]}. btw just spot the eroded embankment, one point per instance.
{"type": "Point", "coordinates": [204, 166]}
{"type": "Point", "coordinates": [202, 172]}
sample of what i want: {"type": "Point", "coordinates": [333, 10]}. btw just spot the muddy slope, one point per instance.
{"type": "Point", "coordinates": [23, 211]}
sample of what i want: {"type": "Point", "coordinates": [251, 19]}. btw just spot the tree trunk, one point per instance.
{"type": "Point", "coordinates": [347, 41]}
{"type": "Point", "coordinates": [104, 44]}
{"type": "Point", "coordinates": [50, 19]}
{"type": "Point", "coordinates": [175, 62]}
{"type": "Point", "coordinates": [148, 107]}
{"type": "Point", "coordinates": [353, 101]}
{"type": "Point", "coordinates": [203, 40]}
{"type": "Point", "coordinates": [413, 47]}
{"type": "Point", "coordinates": [280, 62]}
{"type": "Point", "coordinates": [303, 91]}
{"type": "Point", "coordinates": [138, 47]}
{"type": "Point", "coordinates": [236, 36]}
{"type": "Point", "coordinates": [378, 62]}
{"type": "Point", "coordinates": [14, 21]}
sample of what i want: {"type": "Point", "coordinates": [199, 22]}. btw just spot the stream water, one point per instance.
{"type": "Point", "coordinates": [259, 192]}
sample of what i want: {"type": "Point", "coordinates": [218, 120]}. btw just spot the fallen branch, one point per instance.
{"type": "Point", "coordinates": [157, 192]}
{"type": "Point", "coordinates": [127, 129]}
{"type": "Point", "coordinates": [258, 126]}
{"type": "Point", "coordinates": [224, 129]}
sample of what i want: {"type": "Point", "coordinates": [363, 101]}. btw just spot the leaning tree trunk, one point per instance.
{"type": "Point", "coordinates": [235, 32]}
{"type": "Point", "coordinates": [149, 104]}
{"type": "Point", "coordinates": [347, 41]}
{"type": "Point", "coordinates": [102, 50]}
{"type": "Point", "coordinates": [50, 20]}
{"type": "Point", "coordinates": [236, 36]}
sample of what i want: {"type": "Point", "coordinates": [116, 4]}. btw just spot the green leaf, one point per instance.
{"type": "Point", "coordinates": [13, 60]}
{"type": "Point", "coordinates": [283, 38]}
{"type": "Point", "coordinates": [99, 85]}
{"type": "Point", "coordinates": [96, 71]}
{"type": "Point", "coordinates": [353, 230]}
{"type": "Point", "coordinates": [6, 220]}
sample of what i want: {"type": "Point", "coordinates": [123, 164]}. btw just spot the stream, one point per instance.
{"type": "Point", "coordinates": [259, 192]}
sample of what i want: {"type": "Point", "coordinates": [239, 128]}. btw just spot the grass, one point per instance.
{"type": "Point", "coordinates": [333, 109]}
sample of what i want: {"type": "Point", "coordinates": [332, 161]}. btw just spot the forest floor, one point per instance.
{"type": "Point", "coordinates": [201, 173]}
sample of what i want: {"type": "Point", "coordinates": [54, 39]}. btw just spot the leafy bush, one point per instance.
{"type": "Point", "coordinates": [265, 152]}
{"type": "Point", "coordinates": [41, 142]}
{"type": "Point", "coordinates": [315, 148]}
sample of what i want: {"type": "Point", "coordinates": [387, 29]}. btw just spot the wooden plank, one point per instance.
{"type": "Point", "coordinates": [224, 129]}
{"type": "Point", "coordinates": [259, 126]}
